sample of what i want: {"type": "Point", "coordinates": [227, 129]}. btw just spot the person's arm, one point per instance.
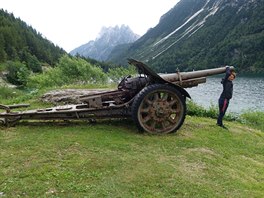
{"type": "Point", "coordinates": [228, 72]}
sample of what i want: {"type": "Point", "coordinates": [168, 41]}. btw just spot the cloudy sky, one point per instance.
{"type": "Point", "coordinates": [71, 23]}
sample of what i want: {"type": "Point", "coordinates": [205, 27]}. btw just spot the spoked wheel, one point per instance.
{"type": "Point", "coordinates": [159, 109]}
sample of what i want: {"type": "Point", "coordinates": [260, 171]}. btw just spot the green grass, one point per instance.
{"type": "Point", "coordinates": [111, 159]}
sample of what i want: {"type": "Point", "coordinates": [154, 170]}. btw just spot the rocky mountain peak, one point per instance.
{"type": "Point", "coordinates": [107, 39]}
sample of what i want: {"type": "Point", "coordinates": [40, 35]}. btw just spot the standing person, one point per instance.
{"type": "Point", "coordinates": [226, 95]}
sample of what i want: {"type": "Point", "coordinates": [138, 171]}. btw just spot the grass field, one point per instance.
{"type": "Point", "coordinates": [111, 159]}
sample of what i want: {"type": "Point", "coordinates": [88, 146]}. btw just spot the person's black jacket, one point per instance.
{"type": "Point", "coordinates": [227, 86]}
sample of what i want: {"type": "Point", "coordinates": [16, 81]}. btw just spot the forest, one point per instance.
{"type": "Point", "coordinates": [20, 42]}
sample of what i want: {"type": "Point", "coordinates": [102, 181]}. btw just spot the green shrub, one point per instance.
{"type": "Point", "coordinates": [69, 71]}
{"type": "Point", "coordinates": [17, 73]}
{"type": "Point", "coordinates": [194, 109]}
{"type": "Point", "coordinates": [8, 93]}
{"type": "Point", "coordinates": [50, 78]}
{"type": "Point", "coordinates": [2, 67]}
{"type": "Point", "coordinates": [116, 74]}
{"type": "Point", "coordinates": [254, 119]}
{"type": "Point", "coordinates": [77, 70]}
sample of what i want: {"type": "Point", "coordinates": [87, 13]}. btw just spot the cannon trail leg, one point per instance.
{"type": "Point", "coordinates": [159, 109]}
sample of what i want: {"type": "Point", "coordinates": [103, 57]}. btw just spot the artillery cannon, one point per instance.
{"type": "Point", "coordinates": [156, 103]}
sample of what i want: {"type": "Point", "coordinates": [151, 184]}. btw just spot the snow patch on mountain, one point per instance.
{"type": "Point", "coordinates": [186, 22]}
{"type": "Point", "coordinates": [193, 28]}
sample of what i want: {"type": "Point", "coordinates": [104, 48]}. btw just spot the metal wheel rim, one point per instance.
{"type": "Point", "coordinates": [160, 112]}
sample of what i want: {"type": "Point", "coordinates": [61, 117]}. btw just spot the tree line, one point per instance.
{"type": "Point", "coordinates": [19, 41]}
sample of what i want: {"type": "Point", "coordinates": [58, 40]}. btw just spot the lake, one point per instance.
{"type": "Point", "coordinates": [247, 94]}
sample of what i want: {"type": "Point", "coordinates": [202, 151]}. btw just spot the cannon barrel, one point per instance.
{"type": "Point", "coordinates": [193, 78]}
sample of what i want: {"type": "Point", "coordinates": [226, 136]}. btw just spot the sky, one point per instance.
{"type": "Point", "coordinates": [71, 23]}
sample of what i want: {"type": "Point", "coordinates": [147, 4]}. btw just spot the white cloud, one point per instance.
{"type": "Point", "coordinates": [71, 23]}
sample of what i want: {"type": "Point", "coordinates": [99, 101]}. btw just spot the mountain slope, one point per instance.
{"type": "Point", "coordinates": [18, 41]}
{"type": "Point", "coordinates": [108, 38]}
{"type": "Point", "coordinates": [197, 34]}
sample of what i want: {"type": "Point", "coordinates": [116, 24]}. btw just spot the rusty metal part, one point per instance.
{"type": "Point", "coordinates": [68, 112]}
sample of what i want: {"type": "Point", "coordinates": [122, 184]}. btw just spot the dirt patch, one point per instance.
{"type": "Point", "coordinates": [202, 150]}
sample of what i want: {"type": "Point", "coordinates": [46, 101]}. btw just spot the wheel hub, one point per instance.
{"type": "Point", "coordinates": [160, 110]}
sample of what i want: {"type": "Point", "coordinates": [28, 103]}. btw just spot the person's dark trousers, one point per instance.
{"type": "Point", "coordinates": [223, 104]}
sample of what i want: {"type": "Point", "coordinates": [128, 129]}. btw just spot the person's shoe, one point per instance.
{"type": "Point", "coordinates": [223, 126]}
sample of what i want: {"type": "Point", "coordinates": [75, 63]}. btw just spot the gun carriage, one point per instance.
{"type": "Point", "coordinates": [156, 103]}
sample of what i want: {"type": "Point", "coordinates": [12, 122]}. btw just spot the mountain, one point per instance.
{"type": "Point", "coordinates": [108, 38]}
{"type": "Point", "coordinates": [198, 34]}
{"type": "Point", "coordinates": [20, 42]}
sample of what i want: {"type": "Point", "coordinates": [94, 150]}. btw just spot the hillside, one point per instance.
{"type": "Point", "coordinates": [20, 42]}
{"type": "Point", "coordinates": [197, 34]}
{"type": "Point", "coordinates": [108, 38]}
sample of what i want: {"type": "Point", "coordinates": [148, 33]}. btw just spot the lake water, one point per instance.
{"type": "Point", "coordinates": [247, 94]}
